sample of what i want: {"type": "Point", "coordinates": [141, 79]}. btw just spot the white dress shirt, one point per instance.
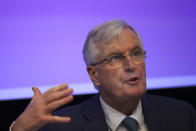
{"type": "Point", "coordinates": [114, 117]}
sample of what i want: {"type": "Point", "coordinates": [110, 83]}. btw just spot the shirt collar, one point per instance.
{"type": "Point", "coordinates": [114, 117]}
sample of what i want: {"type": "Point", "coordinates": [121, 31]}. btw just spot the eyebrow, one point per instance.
{"type": "Point", "coordinates": [120, 53]}
{"type": "Point", "coordinates": [114, 53]}
{"type": "Point", "coordinates": [136, 48]}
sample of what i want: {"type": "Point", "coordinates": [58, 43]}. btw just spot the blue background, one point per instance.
{"type": "Point", "coordinates": [41, 42]}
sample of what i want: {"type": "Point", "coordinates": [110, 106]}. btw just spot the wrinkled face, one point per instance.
{"type": "Point", "coordinates": [120, 82]}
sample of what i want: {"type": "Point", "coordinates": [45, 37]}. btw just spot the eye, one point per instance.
{"type": "Point", "coordinates": [136, 53]}
{"type": "Point", "coordinates": [115, 58]}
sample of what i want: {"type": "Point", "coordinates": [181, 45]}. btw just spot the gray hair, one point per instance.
{"type": "Point", "coordinates": [103, 34]}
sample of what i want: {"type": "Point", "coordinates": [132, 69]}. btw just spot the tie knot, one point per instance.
{"type": "Point", "coordinates": [130, 123]}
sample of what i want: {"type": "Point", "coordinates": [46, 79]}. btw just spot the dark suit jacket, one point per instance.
{"type": "Point", "coordinates": [160, 114]}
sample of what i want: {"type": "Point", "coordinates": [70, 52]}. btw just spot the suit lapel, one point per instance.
{"type": "Point", "coordinates": [152, 114]}
{"type": "Point", "coordinates": [94, 115]}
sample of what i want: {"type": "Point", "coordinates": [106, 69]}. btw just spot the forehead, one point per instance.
{"type": "Point", "coordinates": [127, 41]}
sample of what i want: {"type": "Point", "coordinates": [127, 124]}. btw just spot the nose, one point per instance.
{"type": "Point", "coordinates": [129, 65]}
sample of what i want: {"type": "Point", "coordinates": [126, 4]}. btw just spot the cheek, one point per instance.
{"type": "Point", "coordinates": [110, 77]}
{"type": "Point", "coordinates": [115, 74]}
{"type": "Point", "coordinates": [142, 72]}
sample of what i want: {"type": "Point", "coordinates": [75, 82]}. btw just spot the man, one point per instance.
{"type": "Point", "coordinates": [115, 59]}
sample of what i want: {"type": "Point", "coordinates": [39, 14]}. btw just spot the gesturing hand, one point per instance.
{"type": "Point", "coordinates": [38, 112]}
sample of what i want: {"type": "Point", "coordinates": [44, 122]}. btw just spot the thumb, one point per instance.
{"type": "Point", "coordinates": [36, 92]}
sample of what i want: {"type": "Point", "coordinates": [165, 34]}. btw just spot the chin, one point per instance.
{"type": "Point", "coordinates": [136, 91]}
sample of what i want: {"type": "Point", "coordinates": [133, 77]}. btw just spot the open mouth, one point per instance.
{"type": "Point", "coordinates": [133, 81]}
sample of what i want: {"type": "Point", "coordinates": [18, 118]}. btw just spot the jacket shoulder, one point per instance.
{"type": "Point", "coordinates": [81, 115]}
{"type": "Point", "coordinates": [168, 102]}
{"type": "Point", "coordinates": [174, 113]}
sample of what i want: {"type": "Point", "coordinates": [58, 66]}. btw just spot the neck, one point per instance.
{"type": "Point", "coordinates": [126, 106]}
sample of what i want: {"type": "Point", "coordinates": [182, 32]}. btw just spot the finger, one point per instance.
{"type": "Point", "coordinates": [56, 104]}
{"type": "Point", "coordinates": [58, 88]}
{"type": "Point", "coordinates": [36, 92]}
{"type": "Point", "coordinates": [53, 96]}
{"type": "Point", "coordinates": [58, 119]}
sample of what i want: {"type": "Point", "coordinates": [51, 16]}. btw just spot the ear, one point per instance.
{"type": "Point", "coordinates": [93, 75]}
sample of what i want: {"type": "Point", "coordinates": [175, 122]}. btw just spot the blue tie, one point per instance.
{"type": "Point", "coordinates": [130, 123]}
